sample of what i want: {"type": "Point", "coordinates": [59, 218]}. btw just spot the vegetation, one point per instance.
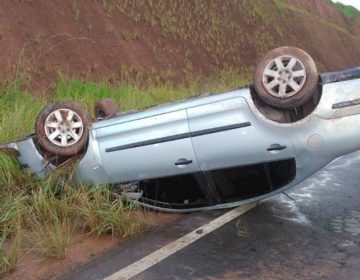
{"type": "Point", "coordinates": [348, 11]}
{"type": "Point", "coordinates": [42, 215]}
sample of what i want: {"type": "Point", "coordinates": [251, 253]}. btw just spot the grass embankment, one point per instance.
{"type": "Point", "coordinates": [42, 215]}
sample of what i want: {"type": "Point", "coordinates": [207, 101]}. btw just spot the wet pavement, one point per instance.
{"type": "Point", "coordinates": [314, 236]}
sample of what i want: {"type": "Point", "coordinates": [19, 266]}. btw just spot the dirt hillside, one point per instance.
{"type": "Point", "coordinates": [164, 40]}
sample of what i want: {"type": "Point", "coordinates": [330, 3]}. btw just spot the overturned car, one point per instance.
{"type": "Point", "coordinates": [210, 151]}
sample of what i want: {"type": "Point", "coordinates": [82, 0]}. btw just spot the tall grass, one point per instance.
{"type": "Point", "coordinates": [9, 247]}
{"type": "Point", "coordinates": [11, 210]}
{"type": "Point", "coordinates": [43, 217]}
{"type": "Point", "coordinates": [102, 214]}
{"type": "Point", "coordinates": [18, 112]}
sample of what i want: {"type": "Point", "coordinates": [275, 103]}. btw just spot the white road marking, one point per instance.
{"type": "Point", "coordinates": [173, 247]}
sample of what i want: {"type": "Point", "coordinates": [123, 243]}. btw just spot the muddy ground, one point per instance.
{"type": "Point", "coordinates": [83, 248]}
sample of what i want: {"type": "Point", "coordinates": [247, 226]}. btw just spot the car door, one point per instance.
{"type": "Point", "coordinates": [150, 147]}
{"type": "Point", "coordinates": [226, 135]}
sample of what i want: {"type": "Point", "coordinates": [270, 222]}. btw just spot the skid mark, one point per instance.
{"type": "Point", "coordinates": [292, 213]}
{"type": "Point", "coordinates": [307, 193]}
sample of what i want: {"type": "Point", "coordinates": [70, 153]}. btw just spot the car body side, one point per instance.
{"type": "Point", "coordinates": [210, 134]}
{"type": "Point", "coordinates": [220, 131]}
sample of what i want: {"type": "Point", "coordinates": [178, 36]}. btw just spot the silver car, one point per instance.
{"type": "Point", "coordinates": [213, 150]}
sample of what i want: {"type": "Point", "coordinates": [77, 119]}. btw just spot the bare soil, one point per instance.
{"type": "Point", "coordinates": [86, 39]}
{"type": "Point", "coordinates": [83, 248]}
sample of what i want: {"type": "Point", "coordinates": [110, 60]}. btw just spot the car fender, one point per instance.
{"type": "Point", "coordinates": [90, 169]}
{"type": "Point", "coordinates": [317, 140]}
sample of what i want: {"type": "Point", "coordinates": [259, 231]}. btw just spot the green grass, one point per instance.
{"type": "Point", "coordinates": [18, 111]}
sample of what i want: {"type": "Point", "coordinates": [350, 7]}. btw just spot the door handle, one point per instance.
{"type": "Point", "coordinates": [276, 147]}
{"type": "Point", "coordinates": [183, 161]}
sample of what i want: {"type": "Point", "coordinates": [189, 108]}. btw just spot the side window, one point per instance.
{"type": "Point", "coordinates": [173, 191]}
{"type": "Point", "coordinates": [253, 180]}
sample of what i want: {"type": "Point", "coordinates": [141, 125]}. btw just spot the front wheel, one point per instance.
{"type": "Point", "coordinates": [61, 128]}
{"type": "Point", "coordinates": [286, 77]}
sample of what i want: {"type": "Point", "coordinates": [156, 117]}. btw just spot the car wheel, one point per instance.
{"type": "Point", "coordinates": [61, 128]}
{"type": "Point", "coordinates": [105, 108]}
{"type": "Point", "coordinates": [286, 77]}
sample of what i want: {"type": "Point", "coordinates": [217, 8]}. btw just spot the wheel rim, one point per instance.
{"type": "Point", "coordinates": [284, 76]}
{"type": "Point", "coordinates": [63, 127]}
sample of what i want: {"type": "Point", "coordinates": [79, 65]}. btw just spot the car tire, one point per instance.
{"type": "Point", "coordinates": [286, 77]}
{"type": "Point", "coordinates": [105, 108]}
{"type": "Point", "coordinates": [61, 128]}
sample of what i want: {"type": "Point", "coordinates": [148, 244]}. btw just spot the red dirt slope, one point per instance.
{"type": "Point", "coordinates": [164, 40]}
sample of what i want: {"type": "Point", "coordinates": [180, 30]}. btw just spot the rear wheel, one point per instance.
{"type": "Point", "coordinates": [286, 77]}
{"type": "Point", "coordinates": [61, 128]}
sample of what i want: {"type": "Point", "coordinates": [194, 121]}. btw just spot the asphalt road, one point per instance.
{"type": "Point", "coordinates": [317, 236]}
